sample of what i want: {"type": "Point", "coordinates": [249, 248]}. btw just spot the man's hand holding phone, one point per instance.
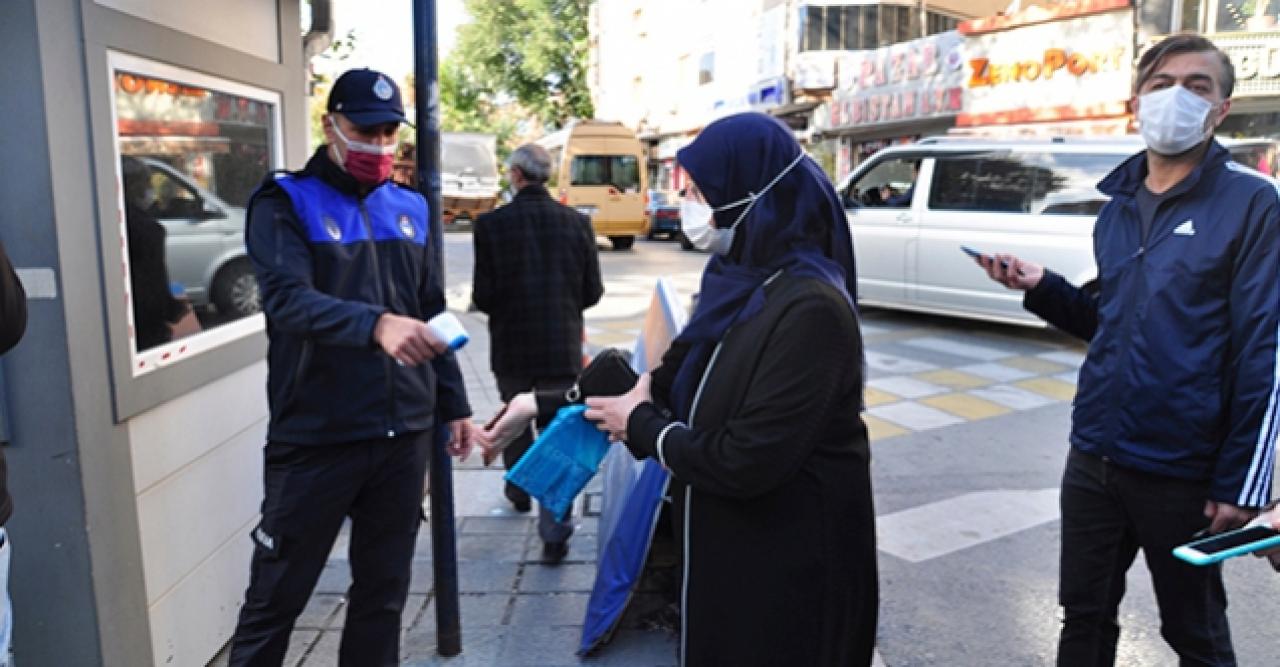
{"type": "Point", "coordinates": [1008, 270]}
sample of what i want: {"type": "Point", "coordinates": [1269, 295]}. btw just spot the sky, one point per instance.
{"type": "Point", "coordinates": [384, 38]}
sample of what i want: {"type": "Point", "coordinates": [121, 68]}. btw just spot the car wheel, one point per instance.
{"type": "Point", "coordinates": [235, 290]}
{"type": "Point", "coordinates": [622, 242]}
{"type": "Point", "coordinates": [684, 241]}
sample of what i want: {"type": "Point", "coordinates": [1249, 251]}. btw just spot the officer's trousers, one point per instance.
{"type": "Point", "coordinates": [310, 490]}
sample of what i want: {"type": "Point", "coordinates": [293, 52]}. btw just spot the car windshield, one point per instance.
{"type": "Point", "coordinates": [467, 158]}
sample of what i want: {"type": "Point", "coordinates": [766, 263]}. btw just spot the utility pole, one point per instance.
{"type": "Point", "coordinates": [444, 548]}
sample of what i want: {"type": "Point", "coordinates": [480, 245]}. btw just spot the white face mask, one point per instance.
{"type": "Point", "coordinates": [696, 216]}
{"type": "Point", "coordinates": [1172, 120]}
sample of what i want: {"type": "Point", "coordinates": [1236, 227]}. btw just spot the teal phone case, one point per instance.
{"type": "Point", "coordinates": [1190, 554]}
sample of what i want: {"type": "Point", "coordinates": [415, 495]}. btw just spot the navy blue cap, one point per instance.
{"type": "Point", "coordinates": [367, 97]}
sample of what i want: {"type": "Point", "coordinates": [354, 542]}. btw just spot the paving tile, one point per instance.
{"type": "Point", "coordinates": [1051, 387]}
{"type": "Point", "coordinates": [996, 372]}
{"type": "Point", "coordinates": [1069, 358]}
{"type": "Point", "coordinates": [480, 647]}
{"type": "Point", "coordinates": [546, 647]}
{"type": "Point", "coordinates": [1013, 397]}
{"type": "Point", "coordinates": [563, 578]}
{"type": "Point", "coordinates": [879, 429]}
{"type": "Point", "coordinates": [582, 549]}
{"type": "Point", "coordinates": [950, 345]}
{"type": "Point", "coordinates": [491, 547]}
{"type": "Point", "coordinates": [906, 387]}
{"type": "Point", "coordinates": [966, 406]}
{"type": "Point", "coordinates": [300, 643]}
{"type": "Point", "coordinates": [1071, 377]}
{"type": "Point", "coordinates": [892, 364]}
{"type": "Point", "coordinates": [1035, 365]}
{"type": "Point", "coordinates": [652, 648]}
{"type": "Point", "coordinates": [954, 379]}
{"type": "Point", "coordinates": [915, 416]}
{"type": "Point", "coordinates": [482, 576]}
{"type": "Point", "coordinates": [872, 396]}
{"type": "Point", "coordinates": [498, 525]}
{"type": "Point", "coordinates": [324, 653]}
{"type": "Point", "coordinates": [334, 578]}
{"type": "Point", "coordinates": [478, 610]}
{"type": "Point", "coordinates": [550, 610]}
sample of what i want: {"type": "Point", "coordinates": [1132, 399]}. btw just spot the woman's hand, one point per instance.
{"type": "Point", "coordinates": [507, 425]}
{"type": "Point", "coordinates": [610, 413]}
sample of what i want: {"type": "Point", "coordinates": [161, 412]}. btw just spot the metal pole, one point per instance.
{"type": "Point", "coordinates": [444, 549]}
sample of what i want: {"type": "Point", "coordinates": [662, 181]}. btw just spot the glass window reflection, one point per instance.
{"type": "Point", "coordinates": [190, 158]}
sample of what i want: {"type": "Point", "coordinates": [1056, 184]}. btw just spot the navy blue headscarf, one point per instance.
{"type": "Point", "coordinates": [797, 226]}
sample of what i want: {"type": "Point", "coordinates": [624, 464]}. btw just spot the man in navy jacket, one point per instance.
{"type": "Point", "coordinates": [1174, 426]}
{"type": "Point", "coordinates": [356, 381]}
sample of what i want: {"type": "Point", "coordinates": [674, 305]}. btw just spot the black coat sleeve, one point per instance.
{"type": "Point", "coordinates": [1058, 302]}
{"type": "Point", "coordinates": [805, 367]}
{"type": "Point", "coordinates": [13, 305]}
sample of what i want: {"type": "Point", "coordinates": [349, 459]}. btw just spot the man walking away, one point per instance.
{"type": "Point", "coordinates": [536, 270]}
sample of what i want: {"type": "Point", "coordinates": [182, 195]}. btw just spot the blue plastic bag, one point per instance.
{"type": "Point", "coordinates": [561, 461]}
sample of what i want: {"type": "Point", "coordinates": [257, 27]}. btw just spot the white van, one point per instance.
{"type": "Point", "coordinates": [911, 207]}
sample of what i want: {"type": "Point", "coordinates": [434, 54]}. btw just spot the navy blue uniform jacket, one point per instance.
{"type": "Point", "coordinates": [1181, 374]}
{"type": "Point", "coordinates": [328, 267]}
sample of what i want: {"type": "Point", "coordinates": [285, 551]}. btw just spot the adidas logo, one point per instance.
{"type": "Point", "coordinates": [1187, 228]}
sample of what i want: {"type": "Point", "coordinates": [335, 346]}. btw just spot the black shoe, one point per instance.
{"type": "Point", "coordinates": [519, 499]}
{"type": "Point", "coordinates": [554, 552]}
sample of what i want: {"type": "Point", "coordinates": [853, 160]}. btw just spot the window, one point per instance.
{"type": "Point", "coordinates": [622, 172]}
{"type": "Point", "coordinates": [707, 68]}
{"type": "Point", "coordinates": [190, 149]}
{"type": "Point", "coordinates": [1244, 15]}
{"type": "Point", "coordinates": [854, 27]}
{"type": "Point", "coordinates": [889, 184]}
{"type": "Point", "coordinates": [1043, 184]}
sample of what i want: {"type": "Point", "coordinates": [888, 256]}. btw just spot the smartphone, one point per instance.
{"type": "Point", "coordinates": [1226, 545]}
{"type": "Point", "coordinates": [977, 255]}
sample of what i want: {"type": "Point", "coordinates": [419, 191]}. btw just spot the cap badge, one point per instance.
{"type": "Point", "coordinates": [383, 89]}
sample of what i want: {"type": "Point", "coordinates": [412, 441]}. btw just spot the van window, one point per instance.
{"type": "Point", "coordinates": [1039, 183]}
{"type": "Point", "coordinates": [889, 184]}
{"type": "Point", "coordinates": [622, 172]}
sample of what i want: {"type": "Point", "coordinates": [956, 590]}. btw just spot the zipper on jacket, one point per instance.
{"type": "Point", "coordinates": [388, 369]}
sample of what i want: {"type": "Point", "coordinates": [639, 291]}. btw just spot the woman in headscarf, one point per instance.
{"type": "Point", "coordinates": [756, 412]}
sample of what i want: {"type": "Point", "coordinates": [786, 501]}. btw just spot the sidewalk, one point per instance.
{"type": "Point", "coordinates": [516, 611]}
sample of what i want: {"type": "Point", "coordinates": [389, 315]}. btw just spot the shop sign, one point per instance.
{"type": "Point", "coordinates": [153, 98]}
{"type": "Point", "coordinates": [1066, 69]}
{"type": "Point", "coordinates": [769, 93]}
{"type": "Point", "coordinates": [1257, 62]}
{"type": "Point", "coordinates": [814, 70]}
{"type": "Point", "coordinates": [915, 80]}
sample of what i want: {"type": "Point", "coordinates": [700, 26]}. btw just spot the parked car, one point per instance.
{"type": "Point", "coordinates": [911, 207]}
{"type": "Point", "coordinates": [663, 211]}
{"type": "Point", "coordinates": [204, 246]}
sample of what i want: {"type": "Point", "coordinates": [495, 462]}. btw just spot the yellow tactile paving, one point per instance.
{"type": "Point", "coordinates": [879, 429]}
{"type": "Point", "coordinates": [1051, 387]}
{"type": "Point", "coordinates": [966, 406]}
{"type": "Point", "coordinates": [953, 379]}
{"type": "Point", "coordinates": [873, 397]}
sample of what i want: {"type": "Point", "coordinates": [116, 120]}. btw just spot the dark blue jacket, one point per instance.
{"type": "Point", "coordinates": [1181, 374]}
{"type": "Point", "coordinates": [329, 263]}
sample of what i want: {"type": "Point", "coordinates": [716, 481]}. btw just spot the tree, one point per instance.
{"type": "Point", "coordinates": [320, 82]}
{"type": "Point", "coordinates": [533, 52]}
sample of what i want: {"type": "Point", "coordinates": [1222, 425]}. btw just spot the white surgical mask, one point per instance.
{"type": "Point", "coordinates": [695, 217]}
{"type": "Point", "coordinates": [1172, 120]}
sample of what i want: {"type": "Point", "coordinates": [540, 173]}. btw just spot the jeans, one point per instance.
{"type": "Point", "coordinates": [549, 529]}
{"type": "Point", "coordinates": [310, 490]}
{"type": "Point", "coordinates": [6, 606]}
{"type": "Point", "coordinates": [1108, 513]}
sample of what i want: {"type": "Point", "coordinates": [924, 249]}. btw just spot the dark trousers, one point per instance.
{"type": "Point", "coordinates": [1108, 513]}
{"type": "Point", "coordinates": [549, 529]}
{"type": "Point", "coordinates": [310, 490]}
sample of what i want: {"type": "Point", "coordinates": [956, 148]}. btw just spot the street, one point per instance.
{"type": "Point", "coordinates": [969, 426]}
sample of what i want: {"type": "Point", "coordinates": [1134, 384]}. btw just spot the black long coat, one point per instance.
{"type": "Point", "coordinates": [779, 528]}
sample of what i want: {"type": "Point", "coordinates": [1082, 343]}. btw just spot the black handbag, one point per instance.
{"type": "Point", "coordinates": [609, 374]}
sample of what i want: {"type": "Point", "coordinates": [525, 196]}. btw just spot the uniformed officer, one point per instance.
{"type": "Point", "coordinates": [356, 382]}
